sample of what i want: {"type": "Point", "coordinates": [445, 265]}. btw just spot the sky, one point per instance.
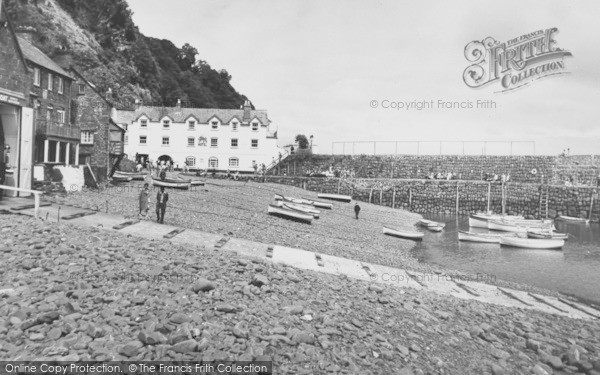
{"type": "Point", "coordinates": [330, 68]}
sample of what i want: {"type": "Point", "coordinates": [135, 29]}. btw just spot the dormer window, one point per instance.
{"type": "Point", "coordinates": [143, 123]}
{"type": "Point", "coordinates": [166, 124]}
{"type": "Point", "coordinates": [254, 126]}
{"type": "Point", "coordinates": [214, 124]}
{"type": "Point", "coordinates": [191, 125]}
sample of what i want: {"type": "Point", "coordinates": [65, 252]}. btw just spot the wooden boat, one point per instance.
{"type": "Point", "coordinates": [289, 214]}
{"type": "Point", "coordinates": [176, 183]}
{"type": "Point", "coordinates": [301, 208]}
{"type": "Point", "coordinates": [542, 224]}
{"type": "Point", "coordinates": [532, 243]}
{"type": "Point", "coordinates": [280, 197]}
{"type": "Point", "coordinates": [121, 178]}
{"type": "Point", "coordinates": [506, 227]}
{"type": "Point", "coordinates": [478, 237]}
{"type": "Point", "coordinates": [430, 223]}
{"type": "Point", "coordinates": [134, 175]}
{"type": "Point", "coordinates": [197, 183]}
{"type": "Point", "coordinates": [320, 204]}
{"type": "Point", "coordinates": [336, 197]}
{"type": "Point", "coordinates": [402, 233]}
{"type": "Point", "coordinates": [541, 234]}
{"type": "Point", "coordinates": [435, 229]}
{"type": "Point", "coordinates": [481, 220]}
{"type": "Point", "coordinates": [572, 219]}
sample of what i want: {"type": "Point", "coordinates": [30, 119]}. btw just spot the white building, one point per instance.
{"type": "Point", "coordinates": [205, 138]}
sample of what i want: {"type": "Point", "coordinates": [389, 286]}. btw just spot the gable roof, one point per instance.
{"type": "Point", "coordinates": [4, 18]}
{"type": "Point", "coordinates": [203, 115]}
{"type": "Point", "coordinates": [37, 57]}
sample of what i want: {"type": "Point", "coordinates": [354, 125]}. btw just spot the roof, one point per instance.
{"type": "Point", "coordinates": [203, 115]}
{"type": "Point", "coordinates": [123, 117]}
{"type": "Point", "coordinates": [38, 57]}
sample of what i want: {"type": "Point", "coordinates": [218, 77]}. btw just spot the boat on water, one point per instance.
{"type": "Point", "coordinates": [572, 219]}
{"type": "Point", "coordinates": [403, 233]}
{"type": "Point", "coordinates": [481, 220]}
{"type": "Point", "coordinates": [336, 197]}
{"type": "Point", "coordinates": [289, 213]}
{"type": "Point", "coordinates": [435, 229]}
{"type": "Point", "coordinates": [300, 208]}
{"type": "Point", "coordinates": [532, 243]}
{"type": "Point", "coordinates": [478, 237]}
{"type": "Point", "coordinates": [434, 226]}
{"type": "Point", "coordinates": [176, 183]}
{"type": "Point", "coordinates": [134, 175]}
{"type": "Point", "coordinates": [543, 234]}
{"type": "Point", "coordinates": [503, 226]}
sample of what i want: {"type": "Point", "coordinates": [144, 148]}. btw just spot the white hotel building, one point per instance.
{"type": "Point", "coordinates": [205, 138]}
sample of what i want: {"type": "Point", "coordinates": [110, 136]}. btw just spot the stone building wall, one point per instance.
{"type": "Point", "coordinates": [462, 197]}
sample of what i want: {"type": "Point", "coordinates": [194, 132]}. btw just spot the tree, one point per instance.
{"type": "Point", "coordinates": [186, 57]}
{"type": "Point", "coordinates": [302, 141]}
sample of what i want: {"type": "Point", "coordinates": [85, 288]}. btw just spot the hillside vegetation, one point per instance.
{"type": "Point", "coordinates": [100, 39]}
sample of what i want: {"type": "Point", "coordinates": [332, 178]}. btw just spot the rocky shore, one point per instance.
{"type": "Point", "coordinates": [74, 293]}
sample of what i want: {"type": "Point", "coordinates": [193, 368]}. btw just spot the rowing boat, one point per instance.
{"type": "Point", "coordinates": [134, 175]}
{"type": "Point", "coordinates": [176, 183]}
{"type": "Point", "coordinates": [572, 219]}
{"type": "Point", "coordinates": [536, 233]}
{"type": "Point", "coordinates": [280, 197]}
{"type": "Point", "coordinates": [300, 208]}
{"type": "Point", "coordinates": [320, 204]}
{"type": "Point", "coordinates": [532, 243]}
{"type": "Point", "coordinates": [435, 229]}
{"type": "Point", "coordinates": [431, 224]}
{"type": "Point", "coordinates": [478, 237]}
{"type": "Point", "coordinates": [289, 214]}
{"type": "Point", "coordinates": [197, 183]}
{"type": "Point", "coordinates": [408, 234]}
{"type": "Point", "coordinates": [506, 227]}
{"type": "Point", "coordinates": [481, 220]}
{"type": "Point", "coordinates": [336, 197]}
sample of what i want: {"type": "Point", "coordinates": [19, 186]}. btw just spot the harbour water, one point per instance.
{"type": "Point", "coordinates": [574, 270]}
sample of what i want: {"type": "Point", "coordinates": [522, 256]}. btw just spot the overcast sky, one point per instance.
{"type": "Point", "coordinates": [316, 66]}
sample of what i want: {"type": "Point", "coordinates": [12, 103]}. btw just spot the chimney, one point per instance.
{"type": "Point", "coordinates": [137, 104]}
{"type": "Point", "coordinates": [109, 95]}
{"type": "Point", "coordinates": [178, 104]}
{"type": "Point", "coordinates": [26, 32]}
{"type": "Point", "coordinates": [247, 109]}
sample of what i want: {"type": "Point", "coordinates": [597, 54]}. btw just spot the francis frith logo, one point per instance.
{"type": "Point", "coordinates": [514, 63]}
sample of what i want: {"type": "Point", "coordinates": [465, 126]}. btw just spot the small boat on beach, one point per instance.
{"type": "Point", "coordinates": [532, 243]}
{"type": "Point", "coordinates": [320, 204]}
{"type": "Point", "coordinates": [541, 234]}
{"type": "Point", "coordinates": [175, 183]}
{"type": "Point", "coordinates": [140, 176]}
{"type": "Point", "coordinates": [280, 197]}
{"type": "Point", "coordinates": [572, 219]}
{"type": "Point", "coordinates": [403, 233]}
{"type": "Point", "coordinates": [121, 178]}
{"type": "Point", "coordinates": [300, 208]}
{"type": "Point", "coordinates": [197, 183]}
{"type": "Point", "coordinates": [289, 213]}
{"type": "Point", "coordinates": [336, 197]}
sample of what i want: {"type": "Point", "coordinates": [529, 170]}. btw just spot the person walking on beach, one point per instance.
{"type": "Point", "coordinates": [162, 198]}
{"type": "Point", "coordinates": [144, 201]}
{"type": "Point", "coordinates": [356, 209]}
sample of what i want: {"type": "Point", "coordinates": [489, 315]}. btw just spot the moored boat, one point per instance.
{"type": "Point", "coordinates": [431, 223]}
{"type": "Point", "coordinates": [572, 219]}
{"type": "Point", "coordinates": [402, 233]}
{"type": "Point", "coordinates": [134, 175]}
{"type": "Point", "coordinates": [546, 234]}
{"type": "Point", "coordinates": [481, 220]}
{"type": "Point", "coordinates": [532, 243]}
{"type": "Point", "coordinates": [175, 183]}
{"type": "Point", "coordinates": [336, 197]}
{"type": "Point", "coordinates": [289, 214]}
{"type": "Point", "coordinates": [478, 237]}
{"type": "Point", "coordinates": [505, 227]}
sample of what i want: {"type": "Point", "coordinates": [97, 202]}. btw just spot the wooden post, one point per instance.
{"type": "Point", "coordinates": [381, 197]}
{"type": "Point", "coordinates": [370, 194]}
{"type": "Point", "coordinates": [36, 200]}
{"type": "Point", "coordinates": [489, 196]}
{"type": "Point", "coordinates": [503, 200]}
{"type": "Point", "coordinates": [457, 197]}
{"type": "Point", "coordinates": [409, 198]}
{"type": "Point", "coordinates": [394, 197]}
{"type": "Point", "coordinates": [591, 207]}
{"type": "Point", "coordinates": [339, 183]}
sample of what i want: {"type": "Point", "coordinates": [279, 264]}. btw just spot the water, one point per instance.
{"type": "Point", "coordinates": [574, 270]}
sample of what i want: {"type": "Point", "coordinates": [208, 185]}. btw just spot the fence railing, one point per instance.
{"type": "Point", "coordinates": [430, 147]}
{"type": "Point", "coordinates": [58, 129]}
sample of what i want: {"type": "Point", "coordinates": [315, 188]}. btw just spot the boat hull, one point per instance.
{"type": "Point", "coordinates": [532, 243]}
{"type": "Point", "coordinates": [503, 227]}
{"type": "Point", "coordinates": [547, 235]}
{"type": "Point", "coordinates": [121, 178]}
{"type": "Point", "coordinates": [170, 183]}
{"type": "Point", "coordinates": [572, 219]}
{"type": "Point", "coordinates": [477, 237]}
{"type": "Point", "coordinates": [336, 197]}
{"type": "Point", "coordinates": [133, 175]}
{"type": "Point", "coordinates": [409, 235]}
{"type": "Point", "coordinates": [289, 214]}
{"type": "Point", "coordinates": [303, 209]}
{"type": "Point", "coordinates": [431, 223]}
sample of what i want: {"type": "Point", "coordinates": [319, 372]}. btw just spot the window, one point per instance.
{"type": "Point", "coordinates": [215, 124]}
{"type": "Point", "coordinates": [191, 142]}
{"type": "Point", "coordinates": [36, 77]}
{"type": "Point", "coordinates": [234, 142]}
{"type": "Point", "coordinates": [142, 139]}
{"type": "Point", "coordinates": [166, 124]}
{"type": "Point", "coordinates": [165, 141]}
{"type": "Point", "coordinates": [234, 126]}
{"type": "Point", "coordinates": [87, 138]}
{"type": "Point", "coordinates": [254, 143]}
{"type": "Point", "coordinates": [49, 110]}
{"type": "Point", "coordinates": [81, 88]}
{"type": "Point", "coordinates": [201, 141]}
{"type": "Point", "coordinates": [126, 140]}
{"type": "Point", "coordinates": [191, 125]}
{"type": "Point", "coordinates": [50, 82]}
{"type": "Point", "coordinates": [61, 84]}
{"type": "Point", "coordinates": [143, 123]}
{"type": "Point", "coordinates": [213, 162]}
{"type": "Point", "coordinates": [60, 115]}
{"type": "Point", "coordinates": [214, 142]}
{"type": "Point", "coordinates": [234, 162]}
{"type": "Point", "coordinates": [190, 161]}
{"type": "Point", "coordinates": [254, 126]}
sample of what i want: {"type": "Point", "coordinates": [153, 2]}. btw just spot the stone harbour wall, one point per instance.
{"type": "Point", "coordinates": [458, 197]}
{"type": "Point", "coordinates": [578, 170]}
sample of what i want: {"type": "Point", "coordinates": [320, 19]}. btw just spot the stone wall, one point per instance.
{"type": "Point", "coordinates": [451, 197]}
{"type": "Point", "coordinates": [529, 169]}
